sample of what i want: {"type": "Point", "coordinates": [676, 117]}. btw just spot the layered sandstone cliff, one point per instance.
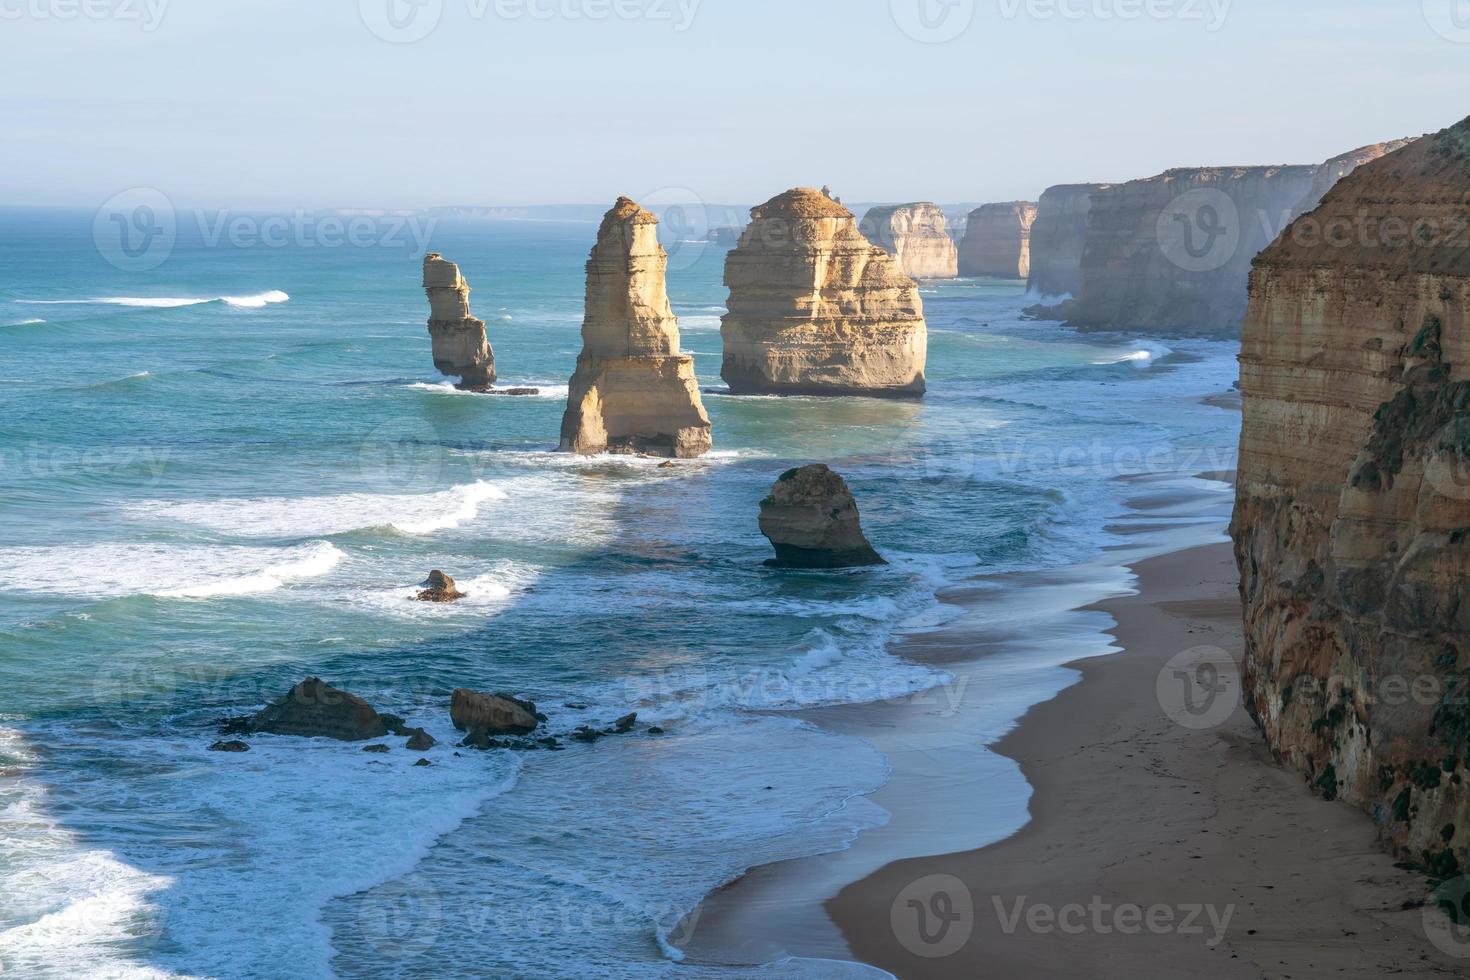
{"type": "Point", "coordinates": [1058, 238]}
{"type": "Point", "coordinates": [915, 235]}
{"type": "Point", "coordinates": [815, 308]}
{"type": "Point", "coordinates": [632, 391]}
{"type": "Point", "coordinates": [1339, 167]}
{"type": "Point", "coordinates": [1352, 525]}
{"type": "Point", "coordinates": [997, 241]}
{"type": "Point", "coordinates": [461, 349]}
{"type": "Point", "coordinates": [1172, 253]}
{"type": "Point", "coordinates": [812, 521]}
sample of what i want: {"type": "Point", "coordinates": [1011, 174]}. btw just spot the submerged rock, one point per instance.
{"type": "Point", "coordinates": [817, 309]}
{"type": "Point", "coordinates": [439, 588]}
{"type": "Point", "coordinates": [231, 746]}
{"type": "Point", "coordinates": [461, 348]}
{"type": "Point", "coordinates": [812, 521]}
{"type": "Point", "coordinates": [315, 709]}
{"type": "Point", "coordinates": [915, 235]}
{"type": "Point", "coordinates": [633, 391]}
{"type": "Point", "coordinates": [484, 715]}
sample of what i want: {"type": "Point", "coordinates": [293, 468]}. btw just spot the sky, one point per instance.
{"type": "Point", "coordinates": [289, 104]}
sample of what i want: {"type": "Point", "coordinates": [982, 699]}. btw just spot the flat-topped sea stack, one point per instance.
{"type": "Point", "coordinates": [812, 521]}
{"type": "Point", "coordinates": [1172, 253]}
{"type": "Point", "coordinates": [1058, 238]}
{"type": "Point", "coordinates": [817, 309]}
{"type": "Point", "coordinates": [997, 242]}
{"type": "Point", "coordinates": [633, 392]}
{"type": "Point", "coordinates": [461, 349]}
{"type": "Point", "coordinates": [916, 236]}
{"type": "Point", "coordinates": [1352, 522]}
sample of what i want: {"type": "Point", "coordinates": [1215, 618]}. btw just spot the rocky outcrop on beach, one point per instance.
{"type": "Point", "coordinates": [315, 709]}
{"type": "Point", "coordinates": [916, 236]}
{"type": "Point", "coordinates": [1352, 524]}
{"type": "Point", "coordinates": [633, 391]}
{"type": "Point", "coordinates": [482, 716]}
{"type": "Point", "coordinates": [439, 588]}
{"type": "Point", "coordinates": [816, 309]}
{"type": "Point", "coordinates": [1172, 253]}
{"type": "Point", "coordinates": [811, 519]}
{"type": "Point", "coordinates": [461, 349]}
{"type": "Point", "coordinates": [997, 241]}
{"type": "Point", "coordinates": [1058, 238]}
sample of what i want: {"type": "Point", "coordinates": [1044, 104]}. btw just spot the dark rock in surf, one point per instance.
{"type": "Point", "coordinates": [315, 709]}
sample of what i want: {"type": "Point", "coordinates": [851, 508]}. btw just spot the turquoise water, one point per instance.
{"type": "Point", "coordinates": [229, 472]}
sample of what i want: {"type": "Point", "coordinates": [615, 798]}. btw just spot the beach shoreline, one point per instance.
{"type": "Point", "coordinates": [1131, 802]}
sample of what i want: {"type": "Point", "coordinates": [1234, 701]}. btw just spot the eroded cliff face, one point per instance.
{"type": "Point", "coordinates": [1172, 253]}
{"type": "Point", "coordinates": [1337, 168]}
{"type": "Point", "coordinates": [461, 349]}
{"type": "Point", "coordinates": [1058, 238]}
{"type": "Point", "coordinates": [816, 309]}
{"type": "Point", "coordinates": [997, 241]}
{"type": "Point", "coordinates": [1352, 525]}
{"type": "Point", "coordinates": [915, 235]}
{"type": "Point", "coordinates": [632, 391]}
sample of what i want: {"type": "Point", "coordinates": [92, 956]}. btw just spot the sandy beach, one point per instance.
{"type": "Point", "coordinates": [1161, 839]}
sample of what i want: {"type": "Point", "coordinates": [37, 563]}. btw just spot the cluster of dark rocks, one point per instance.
{"type": "Point", "coordinates": [315, 709]}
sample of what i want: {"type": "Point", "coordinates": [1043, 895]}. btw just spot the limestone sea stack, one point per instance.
{"type": "Point", "coordinates": [916, 236]}
{"type": "Point", "coordinates": [997, 242]}
{"type": "Point", "coordinates": [1352, 522]}
{"type": "Point", "coordinates": [816, 309]}
{"type": "Point", "coordinates": [811, 519]}
{"type": "Point", "coordinates": [1172, 253]}
{"type": "Point", "coordinates": [1058, 238]}
{"type": "Point", "coordinates": [461, 349]}
{"type": "Point", "coordinates": [633, 392]}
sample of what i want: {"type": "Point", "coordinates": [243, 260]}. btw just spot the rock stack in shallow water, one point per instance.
{"type": "Point", "coordinates": [811, 519]}
{"type": "Point", "coordinates": [997, 241]}
{"type": "Point", "coordinates": [632, 391]}
{"type": "Point", "coordinates": [1058, 238]}
{"type": "Point", "coordinates": [461, 349]}
{"type": "Point", "coordinates": [817, 309]}
{"type": "Point", "coordinates": [915, 235]}
{"type": "Point", "coordinates": [1352, 522]}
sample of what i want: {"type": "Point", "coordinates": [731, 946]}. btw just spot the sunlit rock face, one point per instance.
{"type": "Point", "coordinates": [633, 391]}
{"type": "Point", "coordinates": [997, 242]}
{"type": "Point", "coordinates": [1352, 524]}
{"type": "Point", "coordinates": [817, 309]}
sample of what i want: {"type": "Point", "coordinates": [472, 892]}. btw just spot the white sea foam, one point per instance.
{"type": "Point", "coordinates": [252, 301]}
{"type": "Point", "coordinates": [318, 516]}
{"type": "Point", "coordinates": [111, 570]}
{"type": "Point", "coordinates": [551, 390]}
{"type": "Point", "coordinates": [25, 323]}
{"type": "Point", "coordinates": [1143, 355]}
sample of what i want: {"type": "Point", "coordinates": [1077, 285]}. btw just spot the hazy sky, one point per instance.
{"type": "Point", "coordinates": [301, 104]}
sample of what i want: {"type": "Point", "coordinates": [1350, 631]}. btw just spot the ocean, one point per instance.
{"type": "Point", "coordinates": [229, 472]}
